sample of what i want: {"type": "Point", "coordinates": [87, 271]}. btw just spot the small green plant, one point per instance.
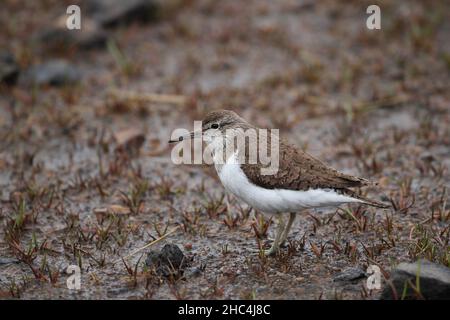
{"type": "Point", "coordinates": [261, 226]}
{"type": "Point", "coordinates": [124, 64]}
{"type": "Point", "coordinates": [134, 198]}
{"type": "Point", "coordinates": [429, 244]}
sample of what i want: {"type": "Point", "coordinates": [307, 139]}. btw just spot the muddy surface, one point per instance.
{"type": "Point", "coordinates": [86, 176]}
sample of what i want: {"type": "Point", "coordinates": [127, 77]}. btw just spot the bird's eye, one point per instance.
{"type": "Point", "coordinates": [215, 126]}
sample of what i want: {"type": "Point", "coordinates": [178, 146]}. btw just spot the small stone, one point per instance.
{"type": "Point", "coordinates": [8, 261]}
{"type": "Point", "coordinates": [434, 281]}
{"type": "Point", "coordinates": [170, 261]}
{"type": "Point", "coordinates": [110, 13]}
{"type": "Point", "coordinates": [9, 69]}
{"type": "Point", "coordinates": [172, 255]}
{"type": "Point", "coordinates": [350, 275]}
{"type": "Point", "coordinates": [53, 73]}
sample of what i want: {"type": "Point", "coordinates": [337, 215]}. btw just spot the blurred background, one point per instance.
{"type": "Point", "coordinates": [85, 116]}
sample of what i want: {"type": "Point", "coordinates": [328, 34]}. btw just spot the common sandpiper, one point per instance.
{"type": "Point", "coordinates": [300, 182]}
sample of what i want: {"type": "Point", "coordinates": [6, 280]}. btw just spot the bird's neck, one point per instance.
{"type": "Point", "coordinates": [222, 148]}
{"type": "Point", "coordinates": [232, 146]}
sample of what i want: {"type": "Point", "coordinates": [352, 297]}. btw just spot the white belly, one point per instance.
{"type": "Point", "coordinates": [275, 200]}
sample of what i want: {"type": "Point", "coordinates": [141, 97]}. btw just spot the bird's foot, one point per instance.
{"type": "Point", "coordinates": [271, 252]}
{"type": "Point", "coordinates": [265, 252]}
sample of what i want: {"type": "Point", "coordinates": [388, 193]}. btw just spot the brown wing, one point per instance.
{"type": "Point", "coordinates": [300, 171]}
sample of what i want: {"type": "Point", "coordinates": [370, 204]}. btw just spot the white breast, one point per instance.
{"type": "Point", "coordinates": [275, 200]}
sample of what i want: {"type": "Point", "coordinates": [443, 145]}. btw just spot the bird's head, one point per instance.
{"type": "Point", "coordinates": [215, 124]}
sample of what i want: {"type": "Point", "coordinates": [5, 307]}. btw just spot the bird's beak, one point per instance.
{"type": "Point", "coordinates": [191, 135]}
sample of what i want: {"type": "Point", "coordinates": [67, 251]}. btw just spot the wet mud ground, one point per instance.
{"type": "Point", "coordinates": [73, 190]}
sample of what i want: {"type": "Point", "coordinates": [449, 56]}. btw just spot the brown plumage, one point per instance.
{"type": "Point", "coordinates": [299, 170]}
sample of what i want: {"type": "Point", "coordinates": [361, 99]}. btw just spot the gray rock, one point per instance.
{"type": "Point", "coordinates": [53, 73]}
{"type": "Point", "coordinates": [9, 69]}
{"type": "Point", "coordinates": [350, 275]}
{"type": "Point", "coordinates": [169, 262]}
{"type": "Point", "coordinates": [434, 281]}
{"type": "Point", "coordinates": [8, 260]}
{"type": "Point", "coordinates": [59, 38]}
{"type": "Point", "coordinates": [172, 254]}
{"type": "Point", "coordinates": [110, 13]}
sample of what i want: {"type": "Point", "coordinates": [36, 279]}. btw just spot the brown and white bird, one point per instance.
{"type": "Point", "coordinates": [301, 181]}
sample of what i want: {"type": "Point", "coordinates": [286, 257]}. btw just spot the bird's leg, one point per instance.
{"type": "Point", "coordinates": [292, 216]}
{"type": "Point", "coordinates": [276, 243]}
{"type": "Point", "coordinates": [227, 202]}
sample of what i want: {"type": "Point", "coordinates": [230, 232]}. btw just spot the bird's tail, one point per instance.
{"type": "Point", "coordinates": [376, 204]}
{"type": "Point", "coordinates": [367, 201]}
